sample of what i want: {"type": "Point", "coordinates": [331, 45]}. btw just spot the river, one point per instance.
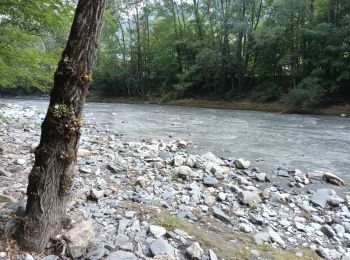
{"type": "Point", "coordinates": [304, 142]}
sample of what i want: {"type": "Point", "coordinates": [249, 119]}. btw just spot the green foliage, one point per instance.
{"type": "Point", "coordinates": [295, 50]}
{"type": "Point", "coordinates": [32, 35]}
{"type": "Point", "coordinates": [265, 92]}
{"type": "Point", "coordinates": [170, 221]}
{"type": "Point", "coordinates": [175, 176]}
{"type": "Point", "coordinates": [308, 93]}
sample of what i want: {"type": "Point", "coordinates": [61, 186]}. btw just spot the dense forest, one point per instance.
{"type": "Point", "coordinates": [295, 51]}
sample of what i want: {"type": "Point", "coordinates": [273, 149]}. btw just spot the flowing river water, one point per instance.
{"type": "Point", "coordinates": [304, 142]}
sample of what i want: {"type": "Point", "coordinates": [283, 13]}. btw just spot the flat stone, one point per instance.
{"type": "Point", "coordinates": [248, 197]}
{"type": "Point", "coordinates": [317, 175]}
{"type": "Point", "coordinates": [161, 246]}
{"type": "Point", "coordinates": [194, 251]}
{"type": "Point", "coordinates": [210, 181]}
{"type": "Point", "coordinates": [122, 255]}
{"type": "Point", "coordinates": [261, 176]}
{"type": "Point", "coordinates": [219, 214]}
{"type": "Point", "coordinates": [275, 236]}
{"type": "Point", "coordinates": [180, 232]}
{"type": "Point", "coordinates": [321, 196]}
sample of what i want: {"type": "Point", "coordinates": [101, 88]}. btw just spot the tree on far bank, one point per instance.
{"type": "Point", "coordinates": [52, 176]}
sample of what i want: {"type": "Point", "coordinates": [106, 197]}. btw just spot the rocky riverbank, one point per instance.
{"type": "Point", "coordinates": [151, 199]}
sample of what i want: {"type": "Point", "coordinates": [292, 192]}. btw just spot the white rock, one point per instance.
{"type": "Point", "coordinates": [275, 236]}
{"type": "Point", "coordinates": [83, 153]}
{"type": "Point", "coordinates": [157, 231]}
{"type": "Point", "coordinates": [20, 161]}
{"type": "Point", "coordinates": [242, 164]}
{"type": "Point", "coordinates": [195, 251]}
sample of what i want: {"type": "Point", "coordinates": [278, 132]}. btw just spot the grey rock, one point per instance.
{"type": "Point", "coordinates": [321, 197]}
{"type": "Point", "coordinates": [212, 255]}
{"type": "Point", "coordinates": [164, 155]}
{"type": "Point", "coordinates": [247, 197]}
{"type": "Point", "coordinates": [80, 238]}
{"type": "Point", "coordinates": [123, 224]}
{"type": "Point", "coordinates": [85, 169]}
{"type": "Point", "coordinates": [95, 194]}
{"type": "Point", "coordinates": [255, 253]}
{"type": "Point", "coordinates": [161, 246]}
{"type": "Point", "coordinates": [121, 255]}
{"type": "Point", "coordinates": [328, 230]}
{"type": "Point", "coordinates": [97, 253]}
{"type": "Point", "coordinates": [260, 176]}
{"type": "Point", "coordinates": [180, 232]}
{"type": "Point", "coordinates": [179, 160]}
{"type": "Point", "coordinates": [256, 220]}
{"type": "Point", "coordinates": [246, 228]}
{"type": "Point", "coordinates": [219, 214]}
{"type": "Point", "coordinates": [275, 236]}
{"type": "Point", "coordinates": [335, 201]}
{"type": "Point", "coordinates": [26, 257]}
{"type": "Point", "coordinates": [262, 237]}
{"type": "Point", "coordinates": [222, 196]}
{"type": "Point", "coordinates": [339, 229]}
{"type": "Point", "coordinates": [209, 200]}
{"type": "Point", "coordinates": [194, 251]}
{"type": "Point", "coordinates": [121, 239]}
{"type": "Point", "coordinates": [184, 171]}
{"type": "Point", "coordinates": [50, 257]}
{"type": "Point", "coordinates": [210, 181]}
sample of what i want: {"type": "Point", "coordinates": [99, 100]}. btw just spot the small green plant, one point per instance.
{"type": "Point", "coordinates": [253, 205]}
{"type": "Point", "coordinates": [264, 246]}
{"type": "Point", "coordinates": [170, 221]}
{"type": "Point", "coordinates": [3, 118]}
{"type": "Point", "coordinates": [175, 176]}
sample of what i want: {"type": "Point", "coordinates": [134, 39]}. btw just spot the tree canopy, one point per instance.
{"type": "Point", "coordinates": [297, 51]}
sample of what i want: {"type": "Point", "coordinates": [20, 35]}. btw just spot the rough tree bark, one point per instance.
{"type": "Point", "coordinates": [52, 176]}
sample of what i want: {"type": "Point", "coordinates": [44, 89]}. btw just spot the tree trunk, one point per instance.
{"type": "Point", "coordinates": [52, 176]}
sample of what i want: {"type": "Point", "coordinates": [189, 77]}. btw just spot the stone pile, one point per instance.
{"type": "Point", "coordinates": [160, 176]}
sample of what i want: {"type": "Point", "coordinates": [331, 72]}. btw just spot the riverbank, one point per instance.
{"type": "Point", "coordinates": [223, 104]}
{"type": "Point", "coordinates": [153, 200]}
